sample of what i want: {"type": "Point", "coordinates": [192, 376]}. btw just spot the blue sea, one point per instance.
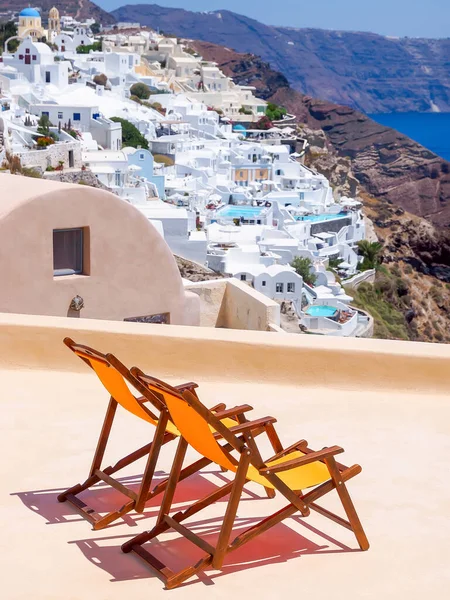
{"type": "Point", "coordinates": [432, 130]}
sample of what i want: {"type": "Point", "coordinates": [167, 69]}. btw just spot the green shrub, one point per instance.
{"type": "Point", "coordinates": [30, 172]}
{"type": "Point", "coordinates": [275, 112]}
{"type": "Point", "coordinates": [95, 47]}
{"type": "Point", "coordinates": [140, 90]}
{"type": "Point", "coordinates": [131, 136]}
{"type": "Point", "coordinates": [408, 269]}
{"type": "Point", "coordinates": [436, 294]}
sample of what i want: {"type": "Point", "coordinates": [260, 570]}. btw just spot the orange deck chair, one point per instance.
{"type": "Point", "coordinates": [114, 375]}
{"type": "Point", "coordinates": [289, 472]}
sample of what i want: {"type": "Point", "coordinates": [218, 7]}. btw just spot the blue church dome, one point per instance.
{"type": "Point", "coordinates": [29, 12]}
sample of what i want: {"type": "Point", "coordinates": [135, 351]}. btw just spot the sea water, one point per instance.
{"type": "Point", "coordinates": [432, 130]}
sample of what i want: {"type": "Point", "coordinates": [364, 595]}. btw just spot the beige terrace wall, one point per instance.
{"type": "Point", "coordinates": [366, 366]}
{"type": "Point", "coordinates": [232, 304]}
{"type": "Point", "coordinates": [130, 270]}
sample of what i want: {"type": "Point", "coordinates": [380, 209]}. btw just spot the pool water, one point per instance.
{"type": "Point", "coordinates": [321, 311]}
{"type": "Point", "coordinates": [235, 212]}
{"type": "Point", "coordinates": [322, 217]}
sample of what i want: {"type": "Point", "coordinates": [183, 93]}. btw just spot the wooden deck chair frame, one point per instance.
{"type": "Point", "coordinates": [151, 450]}
{"type": "Point", "coordinates": [336, 475]}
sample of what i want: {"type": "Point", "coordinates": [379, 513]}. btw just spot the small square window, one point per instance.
{"type": "Point", "coordinates": [279, 287]}
{"type": "Point", "coordinates": [67, 251]}
{"type": "Point", "coordinates": [243, 277]}
{"type": "Point", "coordinates": [20, 56]}
{"type": "Point", "coordinates": [291, 288]}
{"type": "Point", "coordinates": [60, 115]}
{"type": "Point", "coordinates": [263, 283]}
{"type": "Point", "coordinates": [34, 57]}
{"type": "Point", "coordinates": [141, 156]}
{"type": "Point", "coordinates": [77, 116]}
{"type": "Point", "coordinates": [27, 51]}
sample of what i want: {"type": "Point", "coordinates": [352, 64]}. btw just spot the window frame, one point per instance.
{"type": "Point", "coordinates": [291, 287]}
{"type": "Point", "coordinates": [81, 259]}
{"type": "Point", "coordinates": [279, 287]}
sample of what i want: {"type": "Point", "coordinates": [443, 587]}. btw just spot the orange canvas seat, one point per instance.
{"type": "Point", "coordinates": [150, 408]}
{"type": "Point", "coordinates": [290, 472]}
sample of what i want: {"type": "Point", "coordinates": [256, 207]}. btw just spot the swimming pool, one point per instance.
{"type": "Point", "coordinates": [322, 217]}
{"type": "Point", "coordinates": [321, 311]}
{"type": "Point", "coordinates": [235, 212]}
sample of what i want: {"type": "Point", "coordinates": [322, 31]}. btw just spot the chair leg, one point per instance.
{"type": "Point", "coordinates": [347, 503]}
{"type": "Point", "coordinates": [249, 440]}
{"type": "Point", "coordinates": [104, 436]}
{"type": "Point", "coordinates": [151, 462]}
{"type": "Point", "coordinates": [230, 514]}
{"type": "Point", "coordinates": [173, 480]}
{"type": "Point", "coordinates": [98, 455]}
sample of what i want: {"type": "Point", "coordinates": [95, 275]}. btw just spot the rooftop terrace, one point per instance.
{"type": "Point", "coordinates": [386, 403]}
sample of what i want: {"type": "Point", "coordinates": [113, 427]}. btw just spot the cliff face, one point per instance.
{"type": "Point", "coordinates": [81, 9]}
{"type": "Point", "coordinates": [386, 163]}
{"type": "Point", "coordinates": [369, 72]}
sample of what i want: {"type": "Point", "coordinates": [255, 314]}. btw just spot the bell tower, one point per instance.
{"type": "Point", "coordinates": [54, 24]}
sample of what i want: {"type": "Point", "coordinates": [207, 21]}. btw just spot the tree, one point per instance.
{"type": "Point", "coordinates": [8, 30]}
{"type": "Point", "coordinates": [302, 266]}
{"type": "Point", "coordinates": [95, 28]}
{"type": "Point", "coordinates": [131, 136]}
{"type": "Point", "coordinates": [275, 112]}
{"type": "Point", "coordinates": [370, 251]}
{"type": "Point", "coordinates": [140, 90]}
{"type": "Point", "coordinates": [44, 125]}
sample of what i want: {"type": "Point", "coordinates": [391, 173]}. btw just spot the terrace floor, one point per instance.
{"type": "Point", "coordinates": [51, 420]}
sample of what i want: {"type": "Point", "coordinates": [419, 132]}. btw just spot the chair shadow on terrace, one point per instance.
{"type": "Point", "coordinates": [103, 498]}
{"type": "Point", "coordinates": [278, 545]}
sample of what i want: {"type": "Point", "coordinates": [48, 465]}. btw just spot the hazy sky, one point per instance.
{"type": "Point", "coordinates": [415, 18]}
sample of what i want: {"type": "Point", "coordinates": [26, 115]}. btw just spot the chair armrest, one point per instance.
{"type": "Point", "coordinates": [249, 426]}
{"type": "Point", "coordinates": [186, 386]}
{"type": "Point", "coordinates": [233, 412]}
{"type": "Point", "coordinates": [217, 407]}
{"type": "Point", "coordinates": [301, 445]}
{"type": "Point", "coordinates": [321, 455]}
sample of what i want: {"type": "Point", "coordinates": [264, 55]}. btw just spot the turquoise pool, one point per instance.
{"type": "Point", "coordinates": [321, 311]}
{"type": "Point", "coordinates": [236, 212]}
{"type": "Point", "coordinates": [322, 217]}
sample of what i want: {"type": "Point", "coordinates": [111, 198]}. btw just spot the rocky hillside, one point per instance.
{"type": "Point", "coordinates": [81, 9]}
{"type": "Point", "coordinates": [387, 164]}
{"type": "Point", "coordinates": [369, 72]}
{"type": "Point", "coordinates": [410, 298]}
